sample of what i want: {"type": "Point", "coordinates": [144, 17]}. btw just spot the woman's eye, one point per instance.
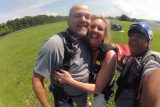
{"type": "Point", "coordinates": [100, 29]}
{"type": "Point", "coordinates": [97, 27]}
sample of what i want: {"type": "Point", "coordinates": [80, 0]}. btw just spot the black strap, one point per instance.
{"type": "Point", "coordinates": [122, 80]}
{"type": "Point", "coordinates": [103, 49]}
{"type": "Point", "coordinates": [137, 79]}
{"type": "Point", "coordinates": [139, 73]}
{"type": "Point", "coordinates": [108, 90]}
{"type": "Point", "coordinates": [71, 45]}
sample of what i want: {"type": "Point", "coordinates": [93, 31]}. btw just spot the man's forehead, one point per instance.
{"type": "Point", "coordinates": [137, 35]}
{"type": "Point", "coordinates": [80, 9]}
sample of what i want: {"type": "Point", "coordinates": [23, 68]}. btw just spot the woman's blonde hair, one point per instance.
{"type": "Point", "coordinates": [107, 34]}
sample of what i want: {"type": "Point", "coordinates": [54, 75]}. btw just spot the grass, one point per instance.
{"type": "Point", "coordinates": [17, 57]}
{"type": "Point", "coordinates": [18, 53]}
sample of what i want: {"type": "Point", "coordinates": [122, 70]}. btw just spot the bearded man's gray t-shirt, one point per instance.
{"type": "Point", "coordinates": [51, 56]}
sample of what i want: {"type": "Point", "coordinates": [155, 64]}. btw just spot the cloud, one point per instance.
{"type": "Point", "coordinates": [137, 8]}
{"type": "Point", "coordinates": [41, 3]}
{"type": "Point", "coordinates": [147, 9]}
{"type": "Point", "coordinates": [28, 8]}
{"type": "Point", "coordinates": [133, 8]}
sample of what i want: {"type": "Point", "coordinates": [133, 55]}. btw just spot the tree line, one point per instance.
{"type": "Point", "coordinates": [124, 17]}
{"type": "Point", "coordinates": [28, 21]}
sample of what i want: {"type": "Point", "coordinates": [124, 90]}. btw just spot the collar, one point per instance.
{"type": "Point", "coordinates": [143, 53]}
{"type": "Point", "coordinates": [74, 35]}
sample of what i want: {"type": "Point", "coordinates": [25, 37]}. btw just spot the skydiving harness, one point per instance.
{"type": "Point", "coordinates": [136, 66]}
{"type": "Point", "coordinates": [71, 45]}
{"type": "Point", "coordinates": [109, 89]}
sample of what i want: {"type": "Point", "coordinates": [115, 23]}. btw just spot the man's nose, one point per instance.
{"type": "Point", "coordinates": [83, 18]}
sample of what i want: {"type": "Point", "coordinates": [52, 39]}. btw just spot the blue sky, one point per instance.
{"type": "Point", "coordinates": [146, 9]}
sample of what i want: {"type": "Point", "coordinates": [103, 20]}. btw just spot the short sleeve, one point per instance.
{"type": "Point", "coordinates": [150, 66]}
{"type": "Point", "coordinates": [50, 56]}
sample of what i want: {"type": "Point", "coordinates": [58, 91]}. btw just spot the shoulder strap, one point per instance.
{"type": "Point", "coordinates": [140, 72]}
{"type": "Point", "coordinates": [104, 48]}
{"type": "Point", "coordinates": [70, 48]}
{"type": "Point", "coordinates": [138, 76]}
{"type": "Point", "coordinates": [97, 66]}
{"type": "Point", "coordinates": [122, 80]}
{"type": "Point", "coordinates": [145, 60]}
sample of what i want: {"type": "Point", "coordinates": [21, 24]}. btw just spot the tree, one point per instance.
{"type": "Point", "coordinates": [28, 21]}
{"type": "Point", "coordinates": [124, 17]}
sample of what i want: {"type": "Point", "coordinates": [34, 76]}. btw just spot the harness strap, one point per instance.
{"type": "Point", "coordinates": [70, 49]}
{"type": "Point", "coordinates": [108, 90]}
{"type": "Point", "coordinates": [121, 82]}
{"type": "Point", "coordinates": [137, 79]}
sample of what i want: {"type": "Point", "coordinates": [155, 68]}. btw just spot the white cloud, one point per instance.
{"type": "Point", "coordinates": [137, 8]}
{"type": "Point", "coordinates": [148, 9]}
{"type": "Point", "coordinates": [41, 3]}
{"type": "Point", "coordinates": [31, 9]}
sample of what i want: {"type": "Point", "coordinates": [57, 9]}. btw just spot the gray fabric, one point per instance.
{"type": "Point", "coordinates": [79, 69]}
{"type": "Point", "coordinates": [99, 101]}
{"type": "Point", "coordinates": [51, 56]}
{"type": "Point", "coordinates": [150, 66]}
{"type": "Point", "coordinates": [126, 99]}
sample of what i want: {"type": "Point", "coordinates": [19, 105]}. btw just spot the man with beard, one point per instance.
{"type": "Point", "coordinates": [67, 50]}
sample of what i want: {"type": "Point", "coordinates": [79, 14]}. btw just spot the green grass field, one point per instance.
{"type": "Point", "coordinates": [18, 53]}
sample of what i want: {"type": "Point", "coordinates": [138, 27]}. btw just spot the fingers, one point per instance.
{"type": "Point", "coordinates": [62, 71]}
{"type": "Point", "coordinates": [62, 76]}
{"type": "Point", "coordinates": [56, 75]}
{"type": "Point", "coordinates": [59, 74]}
{"type": "Point", "coordinates": [60, 80]}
